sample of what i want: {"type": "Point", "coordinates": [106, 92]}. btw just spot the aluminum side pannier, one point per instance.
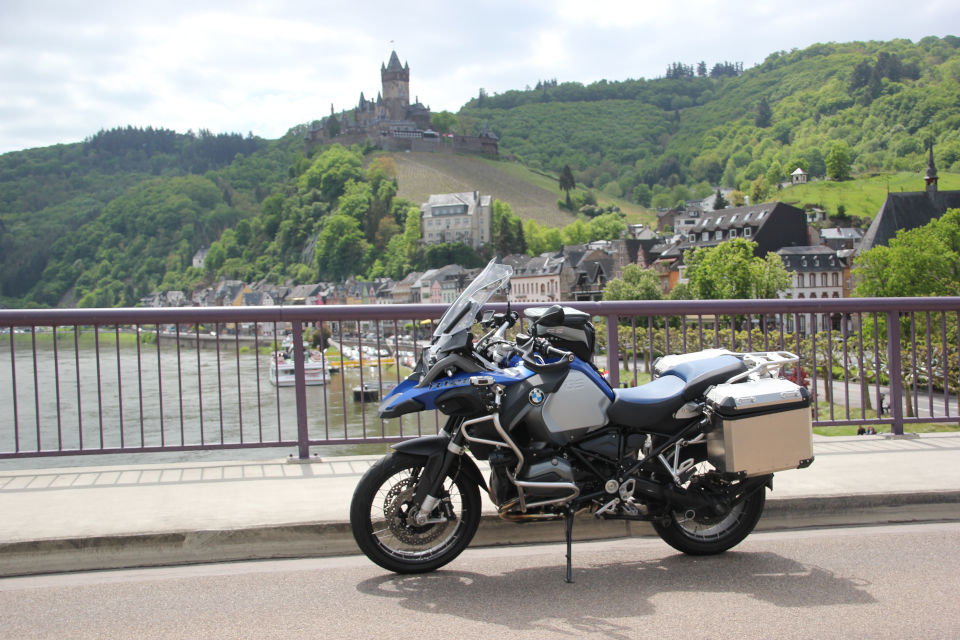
{"type": "Point", "coordinates": [760, 426]}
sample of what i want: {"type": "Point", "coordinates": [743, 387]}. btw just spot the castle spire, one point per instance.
{"type": "Point", "coordinates": [394, 64]}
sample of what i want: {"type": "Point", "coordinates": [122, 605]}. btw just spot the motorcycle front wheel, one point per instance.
{"type": "Point", "coordinates": [701, 535]}
{"type": "Point", "coordinates": [381, 506]}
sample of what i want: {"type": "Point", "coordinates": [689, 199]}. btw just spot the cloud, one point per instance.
{"type": "Point", "coordinates": [68, 69]}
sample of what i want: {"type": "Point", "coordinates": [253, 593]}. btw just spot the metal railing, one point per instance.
{"type": "Point", "coordinates": [94, 381]}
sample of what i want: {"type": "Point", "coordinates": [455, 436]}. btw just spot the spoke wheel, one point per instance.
{"type": "Point", "coordinates": [383, 521]}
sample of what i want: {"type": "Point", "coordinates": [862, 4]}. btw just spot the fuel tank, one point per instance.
{"type": "Point", "coordinates": [560, 413]}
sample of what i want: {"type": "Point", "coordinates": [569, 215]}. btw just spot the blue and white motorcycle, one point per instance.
{"type": "Point", "coordinates": [692, 451]}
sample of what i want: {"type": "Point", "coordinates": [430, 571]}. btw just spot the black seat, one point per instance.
{"type": "Point", "coordinates": [649, 403]}
{"type": "Point", "coordinates": [652, 405]}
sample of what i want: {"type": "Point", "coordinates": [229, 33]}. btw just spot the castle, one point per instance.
{"type": "Point", "coordinates": [392, 123]}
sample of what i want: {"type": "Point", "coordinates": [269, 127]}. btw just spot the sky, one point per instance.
{"type": "Point", "coordinates": [69, 69]}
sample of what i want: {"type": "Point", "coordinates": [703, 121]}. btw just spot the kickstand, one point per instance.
{"type": "Point", "coordinates": [568, 521]}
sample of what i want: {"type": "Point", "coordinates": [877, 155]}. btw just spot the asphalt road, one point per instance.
{"type": "Point", "coordinates": [870, 582]}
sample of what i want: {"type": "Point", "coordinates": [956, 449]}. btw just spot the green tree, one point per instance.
{"type": "Point", "coordinates": [642, 194]}
{"type": "Point", "coordinates": [764, 114]}
{"type": "Point", "coordinates": [730, 270]}
{"type": "Point", "coordinates": [567, 183]}
{"type": "Point", "coordinates": [443, 122]}
{"type": "Point", "coordinates": [636, 283]}
{"type": "Point", "coordinates": [340, 248]}
{"type": "Point", "coordinates": [918, 262]}
{"type": "Point", "coordinates": [838, 161]}
{"type": "Point", "coordinates": [607, 226]}
{"type": "Point", "coordinates": [507, 230]}
{"type": "Point", "coordinates": [331, 171]}
{"type": "Point", "coordinates": [719, 202]}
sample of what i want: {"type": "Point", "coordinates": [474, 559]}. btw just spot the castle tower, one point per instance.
{"type": "Point", "coordinates": [396, 87]}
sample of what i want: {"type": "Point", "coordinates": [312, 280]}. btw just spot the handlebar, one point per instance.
{"type": "Point", "coordinates": [566, 357]}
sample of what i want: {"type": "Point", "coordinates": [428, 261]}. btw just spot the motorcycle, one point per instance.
{"type": "Point", "coordinates": [692, 451]}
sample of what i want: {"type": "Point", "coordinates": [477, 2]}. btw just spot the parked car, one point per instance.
{"type": "Point", "coordinates": [797, 375]}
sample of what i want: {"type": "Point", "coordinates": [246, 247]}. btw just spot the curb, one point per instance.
{"type": "Point", "coordinates": [326, 539]}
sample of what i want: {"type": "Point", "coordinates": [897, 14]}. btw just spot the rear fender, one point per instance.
{"type": "Point", "coordinates": [430, 446]}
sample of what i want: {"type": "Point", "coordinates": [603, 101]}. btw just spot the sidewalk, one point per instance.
{"type": "Point", "coordinates": [107, 517]}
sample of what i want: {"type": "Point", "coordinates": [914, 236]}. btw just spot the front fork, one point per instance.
{"type": "Point", "coordinates": [427, 494]}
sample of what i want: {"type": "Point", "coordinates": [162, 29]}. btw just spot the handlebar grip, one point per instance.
{"type": "Point", "coordinates": [566, 357]}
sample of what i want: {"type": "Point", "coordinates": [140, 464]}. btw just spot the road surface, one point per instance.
{"type": "Point", "coordinates": [895, 581]}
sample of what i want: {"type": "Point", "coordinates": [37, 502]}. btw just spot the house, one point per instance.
{"type": "Point", "coordinates": [909, 210]}
{"type": "Point", "coordinates": [799, 176]}
{"type": "Point", "coordinates": [229, 293]}
{"type": "Point", "coordinates": [545, 278]}
{"type": "Point", "coordinates": [841, 237]}
{"type": "Point", "coordinates": [594, 268]}
{"type": "Point", "coordinates": [457, 217]}
{"type": "Point", "coordinates": [771, 225]}
{"type": "Point", "coordinates": [430, 284]}
{"type": "Point", "coordinates": [305, 294]}
{"type": "Point", "coordinates": [402, 291]}
{"type": "Point", "coordinates": [817, 272]}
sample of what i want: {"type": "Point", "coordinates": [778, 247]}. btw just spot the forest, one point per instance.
{"type": "Point", "coordinates": [106, 221]}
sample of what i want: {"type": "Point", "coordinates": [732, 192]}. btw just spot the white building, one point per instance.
{"type": "Point", "coordinates": [457, 217]}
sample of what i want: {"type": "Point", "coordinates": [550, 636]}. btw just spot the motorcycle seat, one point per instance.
{"type": "Point", "coordinates": [652, 405]}
{"type": "Point", "coordinates": [701, 374]}
{"type": "Point", "coordinates": [648, 404]}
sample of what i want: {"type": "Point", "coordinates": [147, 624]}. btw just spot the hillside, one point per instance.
{"type": "Point", "coordinates": [108, 220]}
{"type": "Point", "coordinates": [652, 140]}
{"type": "Point", "coordinates": [421, 174]}
{"type": "Point", "coordinates": [862, 197]}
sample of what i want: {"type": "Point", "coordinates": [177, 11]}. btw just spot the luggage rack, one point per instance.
{"type": "Point", "coordinates": [764, 364]}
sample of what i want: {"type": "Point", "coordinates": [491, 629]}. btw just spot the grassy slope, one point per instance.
{"type": "Point", "coordinates": [531, 195]}
{"type": "Point", "coordinates": [862, 197]}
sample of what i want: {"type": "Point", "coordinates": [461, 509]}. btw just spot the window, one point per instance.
{"type": "Point", "coordinates": [747, 232]}
{"type": "Point", "coordinates": [761, 214]}
{"type": "Point", "coordinates": [835, 279]}
{"type": "Point", "coordinates": [692, 237]}
{"type": "Point", "coordinates": [823, 279]}
{"type": "Point", "coordinates": [733, 233]}
{"type": "Point", "coordinates": [718, 235]}
{"type": "Point", "coordinates": [705, 236]}
{"type": "Point", "coordinates": [812, 280]}
{"type": "Point", "coordinates": [734, 218]}
{"type": "Point", "coordinates": [720, 220]}
{"type": "Point", "coordinates": [799, 279]}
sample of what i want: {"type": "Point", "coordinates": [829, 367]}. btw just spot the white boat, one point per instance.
{"type": "Point", "coordinates": [283, 371]}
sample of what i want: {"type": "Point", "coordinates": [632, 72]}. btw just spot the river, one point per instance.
{"type": "Point", "coordinates": [151, 398]}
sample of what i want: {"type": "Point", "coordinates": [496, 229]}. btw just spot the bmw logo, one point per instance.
{"type": "Point", "coordinates": [536, 397]}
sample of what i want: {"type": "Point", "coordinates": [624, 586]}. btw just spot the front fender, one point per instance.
{"type": "Point", "coordinates": [429, 446]}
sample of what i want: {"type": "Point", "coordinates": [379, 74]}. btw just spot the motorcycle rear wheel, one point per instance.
{"type": "Point", "coordinates": [702, 536]}
{"type": "Point", "coordinates": [381, 503]}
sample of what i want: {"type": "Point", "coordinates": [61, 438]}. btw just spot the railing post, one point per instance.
{"type": "Point", "coordinates": [613, 352]}
{"type": "Point", "coordinates": [303, 435]}
{"type": "Point", "coordinates": [893, 370]}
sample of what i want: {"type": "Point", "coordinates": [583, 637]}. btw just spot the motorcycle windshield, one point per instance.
{"type": "Point", "coordinates": [462, 313]}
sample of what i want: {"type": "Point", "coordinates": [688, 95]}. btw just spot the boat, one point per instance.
{"type": "Point", "coordinates": [369, 392]}
{"type": "Point", "coordinates": [283, 371]}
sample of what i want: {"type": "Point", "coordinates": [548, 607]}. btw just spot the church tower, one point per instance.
{"type": "Point", "coordinates": [931, 176]}
{"type": "Point", "coordinates": [396, 88]}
